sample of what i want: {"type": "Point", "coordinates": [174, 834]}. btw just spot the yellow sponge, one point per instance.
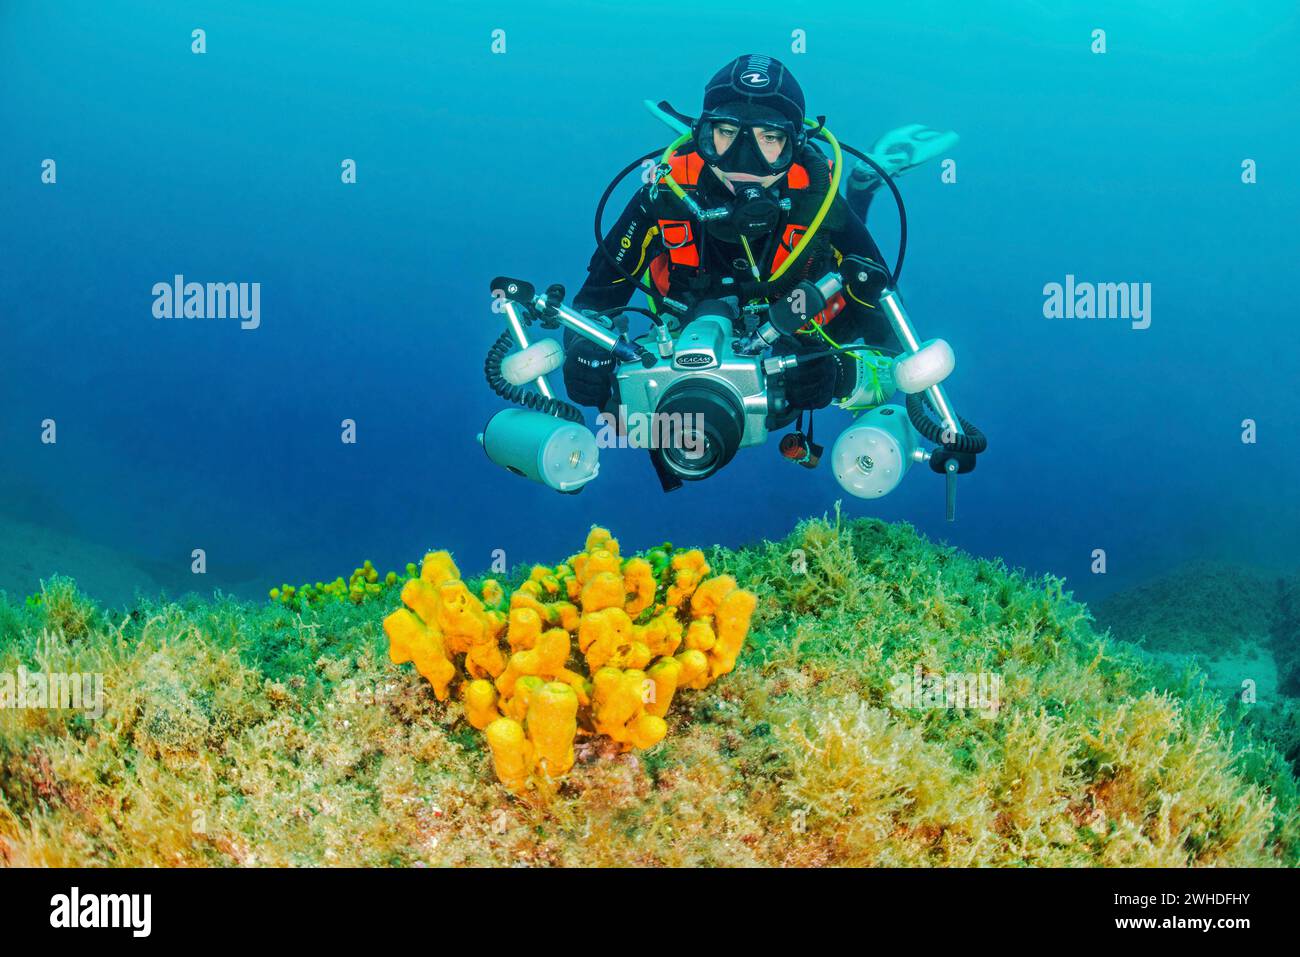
{"type": "Point", "coordinates": [512, 752]}
{"type": "Point", "coordinates": [481, 703]}
{"type": "Point", "coordinates": [619, 707]}
{"type": "Point", "coordinates": [516, 653]}
{"type": "Point", "coordinates": [665, 674]}
{"type": "Point", "coordinates": [552, 725]}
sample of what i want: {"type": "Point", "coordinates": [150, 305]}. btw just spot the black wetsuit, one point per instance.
{"type": "Point", "coordinates": [635, 242]}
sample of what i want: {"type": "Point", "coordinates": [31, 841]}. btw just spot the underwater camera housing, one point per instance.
{"type": "Point", "coordinates": [717, 386]}
{"type": "Point", "coordinates": [707, 400]}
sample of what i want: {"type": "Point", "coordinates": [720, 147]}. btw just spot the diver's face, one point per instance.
{"type": "Point", "coordinates": [770, 143]}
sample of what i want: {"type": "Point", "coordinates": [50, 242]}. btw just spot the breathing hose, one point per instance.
{"type": "Point", "coordinates": [649, 291]}
{"type": "Point", "coordinates": [898, 201]}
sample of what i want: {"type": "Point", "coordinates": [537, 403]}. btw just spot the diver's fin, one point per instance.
{"type": "Point", "coordinates": [663, 111]}
{"type": "Point", "coordinates": [897, 152]}
{"type": "Point", "coordinates": [909, 146]}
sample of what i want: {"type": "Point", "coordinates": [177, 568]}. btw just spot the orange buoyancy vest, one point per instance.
{"type": "Point", "coordinates": [680, 240]}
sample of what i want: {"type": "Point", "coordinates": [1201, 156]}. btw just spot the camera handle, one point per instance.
{"type": "Point", "coordinates": [552, 311]}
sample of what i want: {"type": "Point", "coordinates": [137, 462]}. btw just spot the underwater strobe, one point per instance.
{"type": "Point", "coordinates": [546, 440]}
{"type": "Point", "coordinates": [733, 392]}
{"type": "Point", "coordinates": [871, 457]}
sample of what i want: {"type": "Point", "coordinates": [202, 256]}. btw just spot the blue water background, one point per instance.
{"type": "Point", "coordinates": [175, 435]}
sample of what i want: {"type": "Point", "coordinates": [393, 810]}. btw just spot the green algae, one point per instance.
{"type": "Point", "coordinates": [237, 733]}
{"type": "Point", "coordinates": [1204, 608]}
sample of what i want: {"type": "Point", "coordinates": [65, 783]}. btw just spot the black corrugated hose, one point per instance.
{"type": "Point", "coordinates": [518, 394]}
{"type": "Point", "coordinates": [973, 441]}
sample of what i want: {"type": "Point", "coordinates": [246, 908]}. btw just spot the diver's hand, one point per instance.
{"type": "Point", "coordinates": [811, 384]}
{"type": "Point", "coordinates": [588, 372]}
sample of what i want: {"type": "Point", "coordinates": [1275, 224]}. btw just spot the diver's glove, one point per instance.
{"type": "Point", "coordinates": [811, 384]}
{"type": "Point", "coordinates": [588, 371]}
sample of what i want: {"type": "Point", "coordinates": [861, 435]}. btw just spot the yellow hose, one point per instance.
{"type": "Point", "coordinates": [827, 201]}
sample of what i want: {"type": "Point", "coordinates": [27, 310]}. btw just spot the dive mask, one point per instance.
{"type": "Point", "coordinates": [733, 140]}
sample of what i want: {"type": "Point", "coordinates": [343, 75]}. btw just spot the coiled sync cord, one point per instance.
{"type": "Point", "coordinates": [974, 441]}
{"type": "Point", "coordinates": [518, 394]}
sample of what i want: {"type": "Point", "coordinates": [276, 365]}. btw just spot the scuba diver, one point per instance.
{"type": "Point", "coordinates": [760, 277]}
{"type": "Point", "coordinates": [750, 151]}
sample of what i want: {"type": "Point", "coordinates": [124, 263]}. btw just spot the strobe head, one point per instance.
{"type": "Point", "coordinates": [540, 447]}
{"type": "Point", "coordinates": [706, 428]}
{"type": "Point", "coordinates": [871, 456]}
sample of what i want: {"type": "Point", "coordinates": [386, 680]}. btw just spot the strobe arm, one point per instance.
{"type": "Point", "coordinates": [960, 442]}
{"type": "Point", "coordinates": [551, 308]}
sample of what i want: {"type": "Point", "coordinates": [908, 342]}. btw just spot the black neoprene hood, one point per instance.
{"type": "Point", "coordinates": [759, 80]}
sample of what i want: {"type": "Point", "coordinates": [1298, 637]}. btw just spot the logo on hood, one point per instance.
{"type": "Point", "coordinates": [755, 78]}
